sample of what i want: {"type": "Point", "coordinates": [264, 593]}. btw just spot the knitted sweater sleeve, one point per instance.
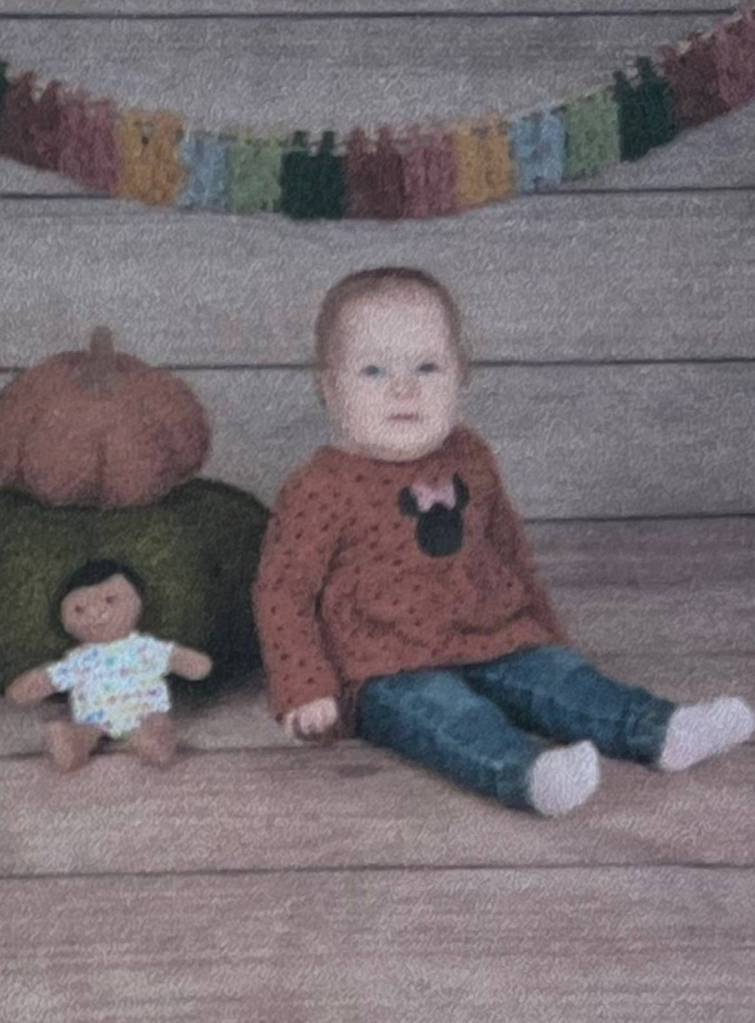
{"type": "Point", "coordinates": [300, 539]}
{"type": "Point", "coordinates": [506, 531]}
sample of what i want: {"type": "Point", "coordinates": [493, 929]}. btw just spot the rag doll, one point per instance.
{"type": "Point", "coordinates": [397, 598]}
{"type": "Point", "coordinates": [116, 677]}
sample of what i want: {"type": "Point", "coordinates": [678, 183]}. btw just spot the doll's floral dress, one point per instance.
{"type": "Point", "coordinates": [115, 686]}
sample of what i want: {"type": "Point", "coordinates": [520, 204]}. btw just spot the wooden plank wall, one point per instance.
{"type": "Point", "coordinates": [611, 328]}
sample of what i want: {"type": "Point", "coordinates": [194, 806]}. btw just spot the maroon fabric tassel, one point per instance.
{"type": "Point", "coordinates": [736, 59]}
{"type": "Point", "coordinates": [694, 80]}
{"type": "Point", "coordinates": [361, 183]}
{"type": "Point", "coordinates": [440, 170]}
{"type": "Point", "coordinates": [46, 127]}
{"type": "Point", "coordinates": [373, 176]}
{"type": "Point", "coordinates": [89, 148]}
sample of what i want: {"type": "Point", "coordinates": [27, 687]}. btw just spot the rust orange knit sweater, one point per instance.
{"type": "Point", "coordinates": [371, 567]}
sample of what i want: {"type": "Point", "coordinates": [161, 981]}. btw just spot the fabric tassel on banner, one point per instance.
{"type": "Point", "coordinates": [736, 59]}
{"type": "Point", "coordinates": [538, 142]}
{"type": "Point", "coordinates": [692, 72]}
{"type": "Point", "coordinates": [646, 110]}
{"type": "Point", "coordinates": [205, 161]}
{"type": "Point", "coordinates": [254, 173]}
{"type": "Point", "coordinates": [500, 168]}
{"type": "Point", "coordinates": [89, 150]}
{"type": "Point", "coordinates": [428, 172]}
{"type": "Point", "coordinates": [415, 170]}
{"type": "Point", "coordinates": [29, 126]}
{"type": "Point", "coordinates": [592, 134]}
{"type": "Point", "coordinates": [469, 156]}
{"type": "Point", "coordinates": [374, 176]}
{"type": "Point", "coordinates": [313, 183]}
{"type": "Point", "coordinates": [151, 169]}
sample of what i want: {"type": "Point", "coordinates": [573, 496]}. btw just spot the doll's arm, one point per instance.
{"type": "Point", "coordinates": [31, 687]}
{"type": "Point", "coordinates": [190, 664]}
{"type": "Point", "coordinates": [300, 541]}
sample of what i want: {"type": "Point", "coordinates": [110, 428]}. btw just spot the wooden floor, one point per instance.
{"type": "Point", "coordinates": [257, 881]}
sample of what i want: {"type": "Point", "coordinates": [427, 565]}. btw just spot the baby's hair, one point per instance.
{"type": "Point", "coordinates": [94, 572]}
{"type": "Point", "coordinates": [377, 280]}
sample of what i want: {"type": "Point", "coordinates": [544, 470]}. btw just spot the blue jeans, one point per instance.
{"type": "Point", "coordinates": [470, 722]}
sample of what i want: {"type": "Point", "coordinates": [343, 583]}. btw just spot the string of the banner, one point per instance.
{"type": "Point", "coordinates": [408, 171]}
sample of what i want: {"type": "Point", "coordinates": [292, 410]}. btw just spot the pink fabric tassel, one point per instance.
{"type": "Point", "coordinates": [736, 59]}
{"type": "Point", "coordinates": [414, 174]}
{"type": "Point", "coordinates": [89, 149]}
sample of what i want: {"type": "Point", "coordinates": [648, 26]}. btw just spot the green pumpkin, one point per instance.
{"type": "Point", "coordinates": [196, 549]}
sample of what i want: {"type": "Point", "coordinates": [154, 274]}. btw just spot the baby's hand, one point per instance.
{"type": "Point", "coordinates": [315, 720]}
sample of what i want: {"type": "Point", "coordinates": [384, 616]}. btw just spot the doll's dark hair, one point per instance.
{"type": "Point", "coordinates": [98, 571]}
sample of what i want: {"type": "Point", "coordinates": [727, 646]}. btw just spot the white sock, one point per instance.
{"type": "Point", "coordinates": [563, 778]}
{"type": "Point", "coordinates": [700, 730]}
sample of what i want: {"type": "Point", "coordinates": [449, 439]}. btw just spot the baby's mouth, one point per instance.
{"type": "Point", "coordinates": [405, 416]}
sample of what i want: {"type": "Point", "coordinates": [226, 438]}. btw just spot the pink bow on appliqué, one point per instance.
{"type": "Point", "coordinates": [427, 495]}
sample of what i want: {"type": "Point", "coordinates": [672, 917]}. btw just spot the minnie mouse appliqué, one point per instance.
{"type": "Point", "coordinates": [439, 513]}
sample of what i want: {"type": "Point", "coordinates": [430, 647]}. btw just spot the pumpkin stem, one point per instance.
{"type": "Point", "coordinates": [98, 368]}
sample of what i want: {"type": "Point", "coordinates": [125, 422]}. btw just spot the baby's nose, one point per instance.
{"type": "Point", "coordinates": [404, 384]}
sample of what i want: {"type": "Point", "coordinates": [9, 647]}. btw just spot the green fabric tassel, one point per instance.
{"type": "Point", "coordinates": [331, 171]}
{"type": "Point", "coordinates": [254, 168]}
{"type": "Point", "coordinates": [646, 111]}
{"type": "Point", "coordinates": [592, 134]}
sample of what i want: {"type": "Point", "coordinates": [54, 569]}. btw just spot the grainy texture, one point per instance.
{"type": "Point", "coordinates": [353, 806]}
{"type": "Point", "coordinates": [206, 8]}
{"type": "Point", "coordinates": [590, 441]}
{"type": "Point", "coordinates": [572, 441]}
{"type": "Point", "coordinates": [661, 944]}
{"type": "Point", "coordinates": [286, 74]}
{"type": "Point", "coordinates": [283, 918]}
{"type": "Point", "coordinates": [558, 277]}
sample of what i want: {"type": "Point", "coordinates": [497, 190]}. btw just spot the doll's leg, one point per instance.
{"type": "Point", "coordinates": [70, 744]}
{"type": "Point", "coordinates": [155, 740]}
{"type": "Point", "coordinates": [434, 718]}
{"type": "Point", "coordinates": [554, 690]}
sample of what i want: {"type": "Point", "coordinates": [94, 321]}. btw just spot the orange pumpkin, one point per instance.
{"type": "Point", "coordinates": [99, 428]}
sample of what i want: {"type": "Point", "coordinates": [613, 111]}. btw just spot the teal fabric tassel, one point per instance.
{"type": "Point", "coordinates": [205, 158]}
{"type": "Point", "coordinates": [298, 183]}
{"type": "Point", "coordinates": [313, 185]}
{"type": "Point", "coordinates": [331, 173]}
{"type": "Point", "coordinates": [255, 175]}
{"type": "Point", "coordinates": [646, 111]}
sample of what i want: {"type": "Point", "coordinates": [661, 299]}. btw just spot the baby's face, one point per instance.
{"type": "Point", "coordinates": [393, 393]}
{"type": "Point", "coordinates": [101, 613]}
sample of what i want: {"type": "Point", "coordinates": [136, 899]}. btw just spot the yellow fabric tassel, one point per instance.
{"type": "Point", "coordinates": [500, 169]}
{"type": "Point", "coordinates": [471, 184]}
{"type": "Point", "coordinates": [151, 167]}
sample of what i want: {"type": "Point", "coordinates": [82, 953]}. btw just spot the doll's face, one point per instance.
{"type": "Point", "coordinates": [101, 613]}
{"type": "Point", "coordinates": [393, 391]}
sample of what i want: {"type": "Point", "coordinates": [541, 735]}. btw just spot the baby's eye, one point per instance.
{"type": "Point", "coordinates": [79, 609]}
{"type": "Point", "coordinates": [371, 371]}
{"type": "Point", "coordinates": [428, 367]}
{"type": "Point", "coordinates": [109, 600]}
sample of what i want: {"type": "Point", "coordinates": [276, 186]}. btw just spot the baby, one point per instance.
{"type": "Point", "coordinates": [397, 598]}
{"type": "Point", "coordinates": [115, 678]}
